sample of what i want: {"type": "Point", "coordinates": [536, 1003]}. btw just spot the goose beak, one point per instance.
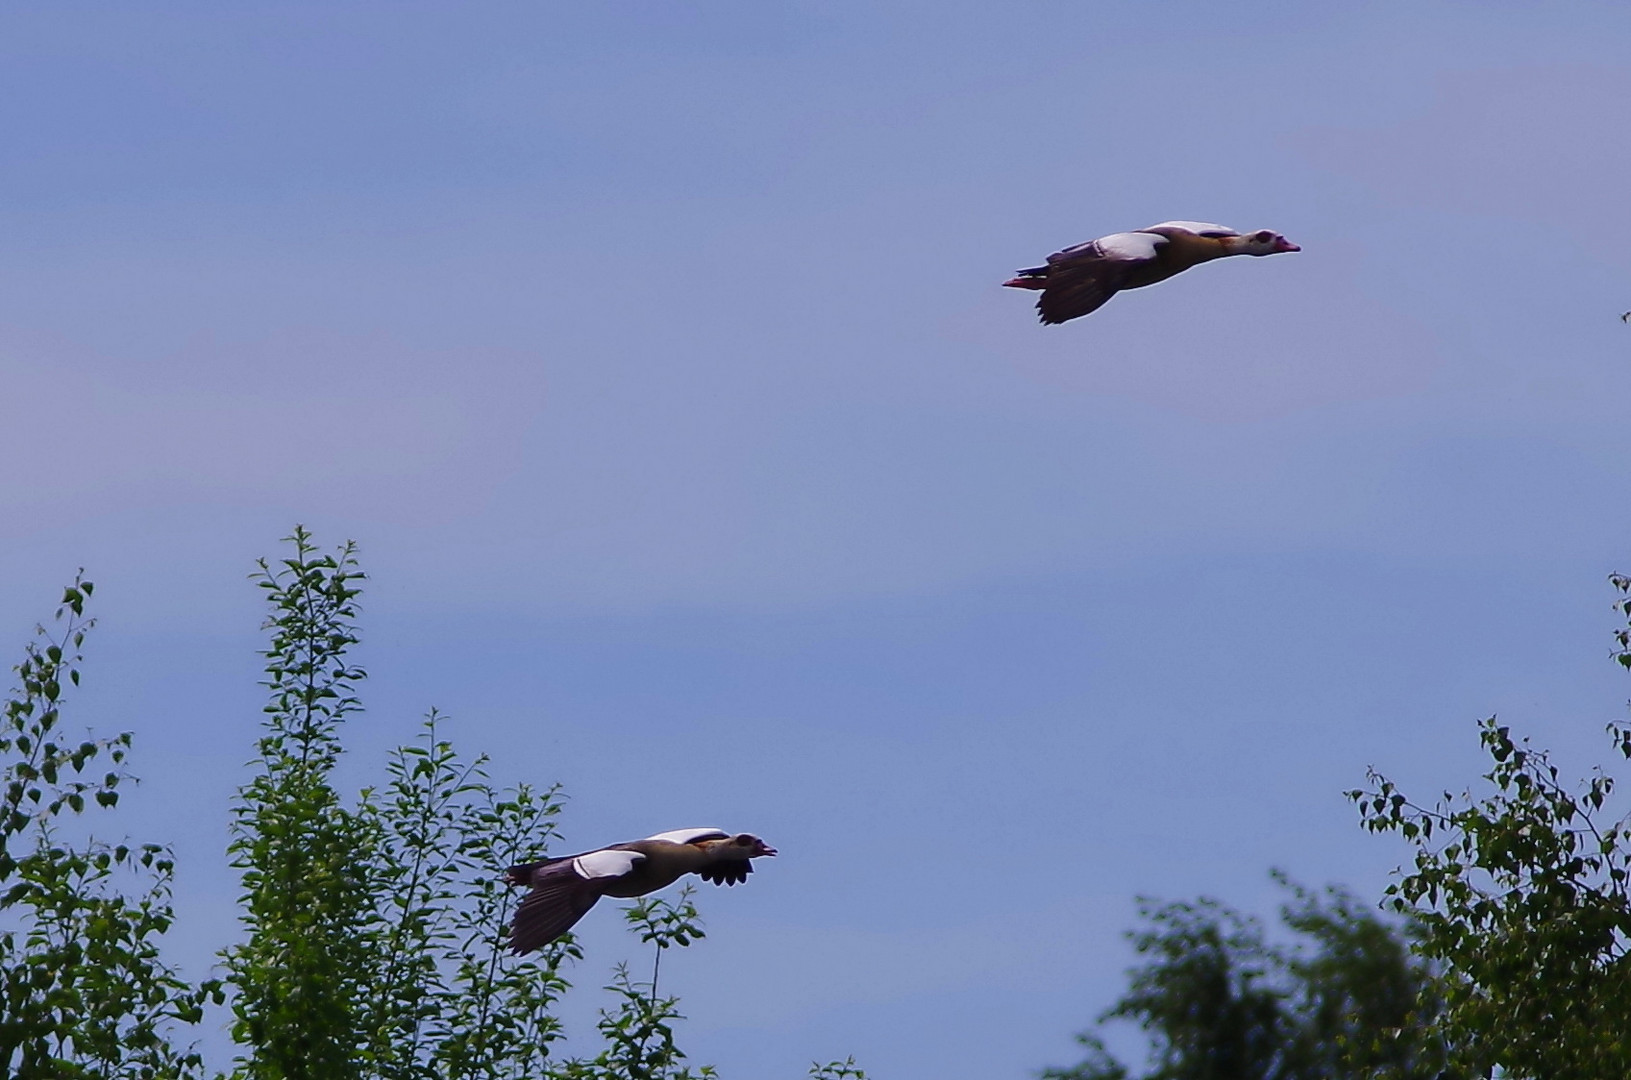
{"type": "Point", "coordinates": [766, 849]}
{"type": "Point", "coordinates": [1286, 245]}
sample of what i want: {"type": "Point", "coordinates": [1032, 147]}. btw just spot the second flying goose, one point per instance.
{"type": "Point", "coordinates": [564, 889]}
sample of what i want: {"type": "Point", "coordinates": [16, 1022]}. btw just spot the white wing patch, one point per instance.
{"type": "Point", "coordinates": [1199, 228]}
{"type": "Point", "coordinates": [598, 864]}
{"type": "Point", "coordinates": [688, 836]}
{"type": "Point", "coordinates": [1131, 246]}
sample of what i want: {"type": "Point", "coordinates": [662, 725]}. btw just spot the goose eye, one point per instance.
{"type": "Point", "coordinates": [1265, 236]}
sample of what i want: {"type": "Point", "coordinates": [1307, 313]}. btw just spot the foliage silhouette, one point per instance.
{"type": "Point", "coordinates": [1219, 1001]}
{"type": "Point", "coordinates": [1522, 897]}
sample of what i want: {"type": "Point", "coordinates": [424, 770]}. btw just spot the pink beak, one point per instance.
{"type": "Point", "coordinates": [1286, 245]}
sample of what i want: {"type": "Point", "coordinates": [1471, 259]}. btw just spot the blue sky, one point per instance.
{"type": "Point", "coordinates": [654, 355]}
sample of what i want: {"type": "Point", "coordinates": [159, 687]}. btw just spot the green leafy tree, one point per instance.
{"type": "Point", "coordinates": [446, 1001]}
{"type": "Point", "coordinates": [302, 977]}
{"type": "Point", "coordinates": [1219, 1001]}
{"type": "Point", "coordinates": [84, 992]}
{"type": "Point", "coordinates": [1522, 897]}
{"type": "Point", "coordinates": [375, 926]}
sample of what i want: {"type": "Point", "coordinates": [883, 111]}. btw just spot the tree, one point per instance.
{"type": "Point", "coordinates": [1522, 898]}
{"type": "Point", "coordinates": [375, 926]}
{"type": "Point", "coordinates": [1219, 1001]}
{"type": "Point", "coordinates": [302, 978]}
{"type": "Point", "coordinates": [83, 990]}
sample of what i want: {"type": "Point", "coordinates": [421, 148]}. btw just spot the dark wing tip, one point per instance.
{"type": "Point", "coordinates": [1061, 308]}
{"type": "Point", "coordinates": [1078, 291]}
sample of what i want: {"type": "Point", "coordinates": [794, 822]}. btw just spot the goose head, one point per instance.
{"type": "Point", "coordinates": [1261, 242]}
{"type": "Point", "coordinates": [741, 846]}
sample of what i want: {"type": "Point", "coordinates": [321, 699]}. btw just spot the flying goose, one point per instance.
{"type": "Point", "coordinates": [564, 889]}
{"type": "Point", "coordinates": [1078, 280]}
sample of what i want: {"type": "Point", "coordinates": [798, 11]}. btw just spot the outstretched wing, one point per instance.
{"type": "Point", "coordinates": [559, 898]}
{"type": "Point", "coordinates": [1082, 278]}
{"type": "Point", "coordinates": [1199, 228]}
{"type": "Point", "coordinates": [690, 836]}
{"type": "Point", "coordinates": [563, 891]}
{"type": "Point", "coordinates": [1076, 292]}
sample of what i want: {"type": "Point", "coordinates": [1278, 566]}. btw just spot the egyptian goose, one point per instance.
{"type": "Point", "coordinates": [1078, 280]}
{"type": "Point", "coordinates": [564, 889]}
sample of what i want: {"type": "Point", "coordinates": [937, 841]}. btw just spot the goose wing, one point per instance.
{"type": "Point", "coordinates": [1081, 278]}
{"type": "Point", "coordinates": [563, 891]}
{"type": "Point", "coordinates": [690, 836]}
{"type": "Point", "coordinates": [731, 872]}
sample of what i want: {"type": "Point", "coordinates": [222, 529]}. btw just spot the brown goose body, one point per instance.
{"type": "Point", "coordinates": [665, 862]}
{"type": "Point", "coordinates": [1078, 280]}
{"type": "Point", "coordinates": [564, 889]}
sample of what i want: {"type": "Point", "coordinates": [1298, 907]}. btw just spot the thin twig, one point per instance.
{"type": "Point", "coordinates": [656, 964]}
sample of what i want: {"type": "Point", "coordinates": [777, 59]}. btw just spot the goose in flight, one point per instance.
{"type": "Point", "coordinates": [563, 890]}
{"type": "Point", "coordinates": [1078, 280]}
